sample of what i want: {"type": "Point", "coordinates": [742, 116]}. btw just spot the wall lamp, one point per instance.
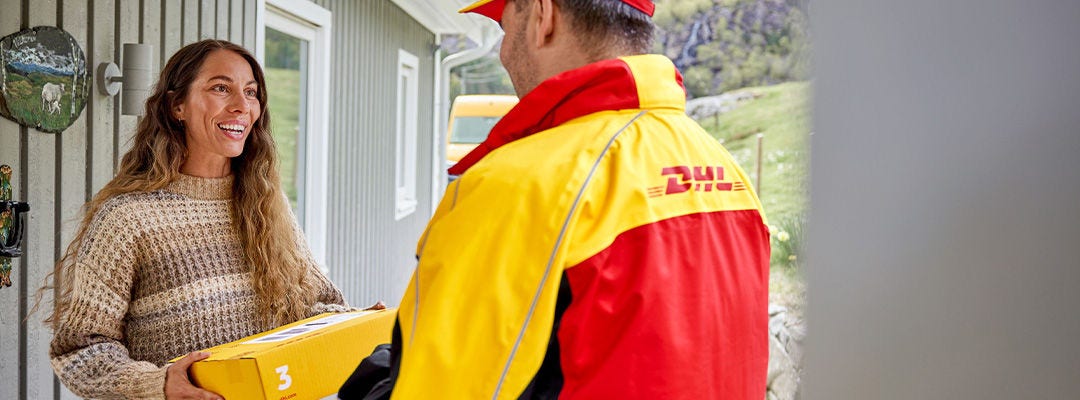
{"type": "Point", "coordinates": [138, 62]}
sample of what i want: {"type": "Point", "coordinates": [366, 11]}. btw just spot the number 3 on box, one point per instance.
{"type": "Point", "coordinates": [286, 380]}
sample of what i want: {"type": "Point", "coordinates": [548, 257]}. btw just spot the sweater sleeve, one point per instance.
{"type": "Point", "coordinates": [88, 350]}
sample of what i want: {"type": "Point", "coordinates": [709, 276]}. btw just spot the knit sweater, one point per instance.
{"type": "Point", "coordinates": [158, 275]}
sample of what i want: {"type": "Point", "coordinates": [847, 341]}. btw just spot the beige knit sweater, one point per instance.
{"type": "Point", "coordinates": [159, 275]}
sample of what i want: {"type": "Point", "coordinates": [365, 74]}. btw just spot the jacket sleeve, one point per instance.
{"type": "Point", "coordinates": [88, 351]}
{"type": "Point", "coordinates": [478, 313]}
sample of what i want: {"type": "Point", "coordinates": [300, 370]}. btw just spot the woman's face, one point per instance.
{"type": "Point", "coordinates": [221, 106]}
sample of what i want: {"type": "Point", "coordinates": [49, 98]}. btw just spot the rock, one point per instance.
{"type": "Point", "coordinates": [776, 324]}
{"type": "Point", "coordinates": [785, 386]}
{"type": "Point", "coordinates": [779, 362]}
{"type": "Point", "coordinates": [704, 107]}
{"type": "Point", "coordinates": [776, 309]}
{"type": "Point", "coordinates": [785, 354]}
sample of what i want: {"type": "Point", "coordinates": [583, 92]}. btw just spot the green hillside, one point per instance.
{"type": "Point", "coordinates": [781, 113]}
{"type": "Point", "coordinates": [283, 100]}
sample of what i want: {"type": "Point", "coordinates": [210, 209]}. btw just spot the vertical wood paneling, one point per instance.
{"type": "Point", "coordinates": [236, 20]}
{"type": "Point", "coordinates": [189, 27]}
{"type": "Point", "coordinates": [102, 132]}
{"type": "Point", "coordinates": [128, 25]}
{"type": "Point", "coordinates": [171, 18]}
{"type": "Point", "coordinates": [39, 167]}
{"type": "Point", "coordinates": [71, 151]}
{"type": "Point", "coordinates": [10, 145]}
{"type": "Point", "coordinates": [150, 21]}
{"type": "Point", "coordinates": [207, 24]}
{"type": "Point", "coordinates": [249, 24]}
{"type": "Point", "coordinates": [222, 17]}
{"type": "Point", "coordinates": [370, 255]}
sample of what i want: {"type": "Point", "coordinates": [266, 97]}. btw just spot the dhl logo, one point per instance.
{"type": "Point", "coordinates": [682, 179]}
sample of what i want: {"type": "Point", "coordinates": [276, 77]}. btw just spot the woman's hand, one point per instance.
{"type": "Point", "coordinates": [177, 385]}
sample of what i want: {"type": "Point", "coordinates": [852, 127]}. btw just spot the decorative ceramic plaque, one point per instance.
{"type": "Point", "coordinates": [43, 82]}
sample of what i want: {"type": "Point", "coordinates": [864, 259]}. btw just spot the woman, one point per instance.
{"type": "Point", "coordinates": [191, 245]}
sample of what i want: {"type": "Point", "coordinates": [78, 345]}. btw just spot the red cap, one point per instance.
{"type": "Point", "coordinates": [494, 8]}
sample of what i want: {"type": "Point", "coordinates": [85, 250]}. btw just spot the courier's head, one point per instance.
{"type": "Point", "coordinates": [494, 8]}
{"type": "Point", "coordinates": [546, 37]}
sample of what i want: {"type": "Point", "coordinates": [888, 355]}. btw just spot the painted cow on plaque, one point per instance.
{"type": "Point", "coordinates": [43, 78]}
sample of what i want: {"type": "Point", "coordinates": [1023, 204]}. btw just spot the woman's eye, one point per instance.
{"type": "Point", "coordinates": [251, 92]}
{"type": "Point", "coordinates": [219, 88]}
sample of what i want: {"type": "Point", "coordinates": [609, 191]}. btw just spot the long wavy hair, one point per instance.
{"type": "Point", "coordinates": [283, 289]}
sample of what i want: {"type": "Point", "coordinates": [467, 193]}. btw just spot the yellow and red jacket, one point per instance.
{"type": "Point", "coordinates": [599, 245]}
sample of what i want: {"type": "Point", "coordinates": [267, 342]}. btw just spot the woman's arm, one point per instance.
{"type": "Point", "coordinates": [88, 350]}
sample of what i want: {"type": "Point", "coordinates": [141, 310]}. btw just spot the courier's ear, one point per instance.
{"type": "Point", "coordinates": [544, 16]}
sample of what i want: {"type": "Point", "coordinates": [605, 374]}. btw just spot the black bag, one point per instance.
{"type": "Point", "coordinates": [371, 379]}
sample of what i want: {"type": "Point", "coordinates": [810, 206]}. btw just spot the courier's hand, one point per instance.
{"type": "Point", "coordinates": [378, 306]}
{"type": "Point", "coordinates": [177, 384]}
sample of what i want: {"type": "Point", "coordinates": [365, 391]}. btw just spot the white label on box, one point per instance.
{"type": "Point", "coordinates": [307, 327]}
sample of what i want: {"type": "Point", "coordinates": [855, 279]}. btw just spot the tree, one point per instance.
{"type": "Point", "coordinates": [698, 80]}
{"type": "Point", "coordinates": [748, 42]}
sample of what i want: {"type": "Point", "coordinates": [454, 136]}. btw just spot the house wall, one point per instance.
{"type": "Point", "coordinates": [57, 173]}
{"type": "Point", "coordinates": [370, 255]}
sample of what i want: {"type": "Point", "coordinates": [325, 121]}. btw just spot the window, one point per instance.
{"type": "Point", "coordinates": [472, 130]}
{"type": "Point", "coordinates": [287, 69]}
{"type": "Point", "coordinates": [405, 164]}
{"type": "Point", "coordinates": [294, 40]}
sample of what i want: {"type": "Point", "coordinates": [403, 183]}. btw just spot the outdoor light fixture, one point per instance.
{"type": "Point", "coordinates": [138, 62]}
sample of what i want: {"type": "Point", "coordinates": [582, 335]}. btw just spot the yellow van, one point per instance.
{"type": "Point", "coordinates": [471, 119]}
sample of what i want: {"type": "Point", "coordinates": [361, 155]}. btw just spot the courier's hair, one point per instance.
{"type": "Point", "coordinates": [607, 24]}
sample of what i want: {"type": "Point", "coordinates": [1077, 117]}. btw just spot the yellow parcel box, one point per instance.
{"type": "Point", "coordinates": [308, 359]}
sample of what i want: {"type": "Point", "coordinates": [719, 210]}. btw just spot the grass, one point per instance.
{"type": "Point", "coordinates": [24, 93]}
{"type": "Point", "coordinates": [283, 100]}
{"type": "Point", "coordinates": [781, 113]}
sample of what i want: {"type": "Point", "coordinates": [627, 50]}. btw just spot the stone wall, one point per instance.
{"type": "Point", "coordinates": [786, 334]}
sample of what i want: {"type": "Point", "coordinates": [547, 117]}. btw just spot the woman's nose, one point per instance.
{"type": "Point", "coordinates": [238, 103]}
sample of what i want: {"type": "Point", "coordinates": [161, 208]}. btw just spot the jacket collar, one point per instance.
{"type": "Point", "coordinates": [634, 82]}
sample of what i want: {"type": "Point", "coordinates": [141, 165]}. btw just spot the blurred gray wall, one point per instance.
{"type": "Point", "coordinates": [945, 236]}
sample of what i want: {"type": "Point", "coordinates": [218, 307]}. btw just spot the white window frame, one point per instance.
{"type": "Point", "coordinates": [407, 105]}
{"type": "Point", "coordinates": [311, 22]}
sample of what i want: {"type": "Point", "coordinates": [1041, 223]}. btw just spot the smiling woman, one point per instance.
{"type": "Point", "coordinates": [191, 245]}
{"type": "Point", "coordinates": [218, 114]}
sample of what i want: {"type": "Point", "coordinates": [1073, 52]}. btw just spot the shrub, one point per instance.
{"type": "Point", "coordinates": [787, 241]}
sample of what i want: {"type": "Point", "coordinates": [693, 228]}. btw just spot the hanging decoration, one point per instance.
{"type": "Point", "coordinates": [43, 78]}
{"type": "Point", "coordinates": [12, 226]}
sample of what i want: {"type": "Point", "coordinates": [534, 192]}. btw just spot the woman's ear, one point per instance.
{"type": "Point", "coordinates": [176, 107]}
{"type": "Point", "coordinates": [178, 113]}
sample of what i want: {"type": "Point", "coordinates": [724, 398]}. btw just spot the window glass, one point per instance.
{"type": "Point", "coordinates": [472, 130]}
{"type": "Point", "coordinates": [286, 77]}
